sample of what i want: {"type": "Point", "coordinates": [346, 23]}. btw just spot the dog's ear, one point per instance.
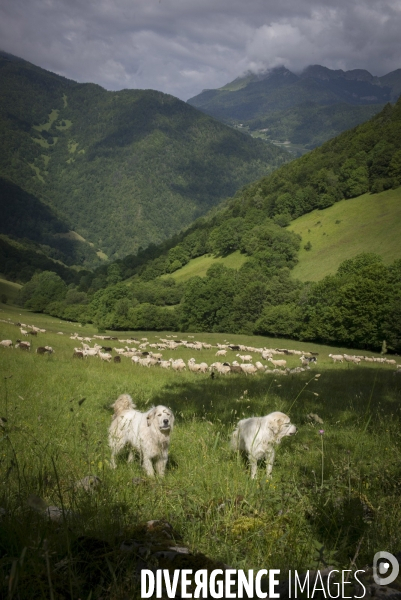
{"type": "Point", "coordinates": [150, 417]}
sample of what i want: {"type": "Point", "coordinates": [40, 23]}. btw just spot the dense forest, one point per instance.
{"type": "Point", "coordinates": [122, 169]}
{"type": "Point", "coordinates": [358, 306]}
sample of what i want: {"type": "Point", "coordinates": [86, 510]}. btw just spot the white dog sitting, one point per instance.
{"type": "Point", "coordinates": [148, 432]}
{"type": "Point", "coordinates": [257, 437]}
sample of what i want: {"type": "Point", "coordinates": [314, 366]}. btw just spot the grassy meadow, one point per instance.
{"type": "Point", "coordinates": [9, 289]}
{"type": "Point", "coordinates": [369, 223]}
{"type": "Point", "coordinates": [197, 267]}
{"type": "Point", "coordinates": [333, 497]}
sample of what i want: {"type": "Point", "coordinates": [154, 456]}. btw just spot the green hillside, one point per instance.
{"type": "Point", "coordinates": [305, 109]}
{"type": "Point", "coordinates": [8, 291]}
{"type": "Point", "coordinates": [122, 169]}
{"type": "Point", "coordinates": [197, 267]}
{"type": "Point", "coordinates": [369, 223]}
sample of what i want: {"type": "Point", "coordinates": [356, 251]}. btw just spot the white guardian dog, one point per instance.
{"type": "Point", "coordinates": [257, 437]}
{"type": "Point", "coordinates": [148, 433]}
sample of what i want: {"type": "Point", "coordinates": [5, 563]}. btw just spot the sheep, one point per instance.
{"type": "Point", "coordinates": [157, 356]}
{"type": "Point", "coordinates": [41, 350]}
{"type": "Point", "coordinates": [117, 359]}
{"type": "Point", "coordinates": [6, 343]}
{"type": "Point", "coordinates": [23, 345]}
{"type": "Point", "coordinates": [245, 357]}
{"type": "Point", "coordinates": [104, 356]}
{"type": "Point", "coordinates": [259, 366]}
{"type": "Point", "coordinates": [49, 349]}
{"type": "Point", "coordinates": [164, 364]}
{"type": "Point", "coordinates": [33, 332]}
{"type": "Point", "coordinates": [206, 346]}
{"type": "Point", "coordinates": [248, 369]}
{"type": "Point", "coordinates": [23, 331]}
{"type": "Point", "coordinates": [336, 357]}
{"type": "Point", "coordinates": [197, 368]}
{"type": "Point", "coordinates": [178, 365]}
{"type": "Point", "coordinates": [221, 353]}
{"type": "Point", "coordinates": [78, 354]}
{"type": "Point", "coordinates": [278, 363]}
{"type": "Point", "coordinates": [236, 369]}
{"type": "Point", "coordinates": [352, 359]}
{"type": "Point", "coordinates": [390, 361]}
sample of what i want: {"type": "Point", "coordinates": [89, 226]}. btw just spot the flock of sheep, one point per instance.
{"type": "Point", "coordinates": [143, 353]}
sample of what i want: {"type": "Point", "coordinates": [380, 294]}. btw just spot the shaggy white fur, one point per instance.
{"type": "Point", "coordinates": [257, 437]}
{"type": "Point", "coordinates": [148, 433]}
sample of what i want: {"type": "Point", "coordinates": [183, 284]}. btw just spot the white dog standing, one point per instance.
{"type": "Point", "coordinates": [257, 437]}
{"type": "Point", "coordinates": [148, 432]}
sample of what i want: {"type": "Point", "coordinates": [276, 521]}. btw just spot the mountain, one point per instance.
{"type": "Point", "coordinates": [233, 269]}
{"type": "Point", "coordinates": [305, 109]}
{"type": "Point", "coordinates": [119, 170]}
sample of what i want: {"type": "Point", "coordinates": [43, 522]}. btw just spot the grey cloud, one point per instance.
{"type": "Point", "coordinates": [183, 46]}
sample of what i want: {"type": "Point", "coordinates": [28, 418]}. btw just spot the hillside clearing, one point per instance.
{"type": "Point", "coordinates": [197, 267]}
{"type": "Point", "coordinates": [369, 223]}
{"type": "Point", "coordinates": [9, 288]}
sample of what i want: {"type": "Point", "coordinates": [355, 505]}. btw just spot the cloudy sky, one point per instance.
{"type": "Point", "coordinates": [183, 46]}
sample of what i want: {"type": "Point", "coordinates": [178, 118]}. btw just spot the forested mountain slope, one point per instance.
{"type": "Point", "coordinates": [306, 109]}
{"type": "Point", "coordinates": [253, 290]}
{"type": "Point", "coordinates": [123, 169]}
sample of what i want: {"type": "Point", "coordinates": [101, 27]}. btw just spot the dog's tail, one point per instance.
{"type": "Point", "coordinates": [123, 402]}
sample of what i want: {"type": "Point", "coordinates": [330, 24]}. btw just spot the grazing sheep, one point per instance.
{"type": "Point", "coordinates": [221, 353]}
{"type": "Point", "coordinates": [259, 366]}
{"type": "Point", "coordinates": [6, 343]}
{"type": "Point", "coordinates": [352, 359]}
{"type": "Point", "coordinates": [78, 354]}
{"type": "Point", "coordinates": [44, 350]}
{"type": "Point", "coordinates": [117, 359]}
{"type": "Point", "coordinates": [278, 363]}
{"type": "Point", "coordinates": [23, 331]}
{"type": "Point", "coordinates": [236, 369]}
{"type": "Point", "coordinates": [336, 357]}
{"type": "Point", "coordinates": [23, 345]}
{"type": "Point", "coordinates": [245, 357]}
{"type": "Point", "coordinates": [104, 356]}
{"type": "Point", "coordinates": [33, 332]}
{"type": "Point", "coordinates": [164, 364]}
{"type": "Point", "coordinates": [248, 369]}
{"type": "Point", "coordinates": [178, 365]}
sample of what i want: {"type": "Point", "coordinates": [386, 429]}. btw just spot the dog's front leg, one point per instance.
{"type": "Point", "coordinates": [148, 466]}
{"type": "Point", "coordinates": [270, 456]}
{"type": "Point", "coordinates": [254, 466]}
{"type": "Point", "coordinates": [161, 466]}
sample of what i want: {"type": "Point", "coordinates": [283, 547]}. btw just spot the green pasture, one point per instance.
{"type": "Point", "coordinates": [197, 267]}
{"type": "Point", "coordinates": [9, 289]}
{"type": "Point", "coordinates": [369, 223]}
{"type": "Point", "coordinates": [329, 494]}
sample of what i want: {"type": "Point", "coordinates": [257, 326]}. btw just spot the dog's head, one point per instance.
{"type": "Point", "coordinates": [281, 426]}
{"type": "Point", "coordinates": [162, 418]}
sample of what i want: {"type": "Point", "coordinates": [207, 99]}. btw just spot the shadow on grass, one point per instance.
{"type": "Point", "coordinates": [347, 395]}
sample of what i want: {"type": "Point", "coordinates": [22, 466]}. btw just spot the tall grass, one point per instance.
{"type": "Point", "coordinates": [56, 412]}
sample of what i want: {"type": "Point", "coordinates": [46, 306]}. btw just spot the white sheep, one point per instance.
{"type": "Point", "coordinates": [336, 357]}
{"type": "Point", "coordinates": [6, 343]}
{"type": "Point", "coordinates": [104, 356]}
{"type": "Point", "coordinates": [248, 368]}
{"type": "Point", "coordinates": [23, 331]}
{"type": "Point", "coordinates": [164, 364]}
{"type": "Point", "coordinates": [178, 365]}
{"type": "Point", "coordinates": [278, 363]}
{"type": "Point", "coordinates": [221, 353]}
{"type": "Point", "coordinates": [245, 357]}
{"type": "Point", "coordinates": [259, 366]}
